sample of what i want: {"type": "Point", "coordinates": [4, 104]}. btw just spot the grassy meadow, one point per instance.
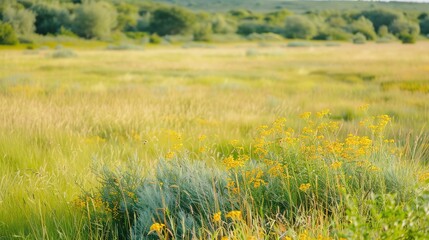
{"type": "Point", "coordinates": [230, 141]}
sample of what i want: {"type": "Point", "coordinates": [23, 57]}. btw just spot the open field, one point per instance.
{"type": "Point", "coordinates": [63, 117]}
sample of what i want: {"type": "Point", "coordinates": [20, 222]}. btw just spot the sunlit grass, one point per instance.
{"type": "Point", "coordinates": [62, 119]}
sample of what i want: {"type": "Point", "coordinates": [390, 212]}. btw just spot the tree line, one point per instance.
{"type": "Point", "coordinates": [20, 19]}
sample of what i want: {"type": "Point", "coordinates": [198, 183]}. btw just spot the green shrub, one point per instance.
{"type": "Point", "coordinates": [424, 26]}
{"type": "Point", "coordinates": [359, 38]}
{"type": "Point", "coordinates": [265, 37]}
{"type": "Point", "coordinates": [21, 20]}
{"type": "Point", "coordinates": [247, 28]}
{"type": "Point", "coordinates": [284, 175]}
{"type": "Point", "coordinates": [94, 20]}
{"type": "Point", "coordinates": [124, 46]}
{"type": "Point", "coordinates": [380, 17]}
{"type": "Point", "coordinates": [127, 17]}
{"type": "Point", "coordinates": [365, 27]}
{"type": "Point", "coordinates": [202, 32]}
{"type": "Point", "coordinates": [50, 19]}
{"type": "Point", "coordinates": [299, 27]}
{"type": "Point", "coordinates": [171, 21]}
{"type": "Point", "coordinates": [7, 34]}
{"type": "Point", "coordinates": [63, 53]}
{"type": "Point", "coordinates": [408, 38]}
{"type": "Point", "coordinates": [404, 29]}
{"type": "Point", "coordinates": [183, 196]}
{"type": "Point", "coordinates": [381, 216]}
{"type": "Point", "coordinates": [223, 25]}
{"type": "Point", "coordinates": [155, 39]}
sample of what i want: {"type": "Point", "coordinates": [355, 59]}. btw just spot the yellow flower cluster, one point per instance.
{"type": "Point", "coordinates": [423, 177]}
{"type": "Point", "coordinates": [231, 163]}
{"type": "Point", "coordinates": [254, 177]}
{"type": "Point", "coordinates": [304, 187]}
{"type": "Point", "coordinates": [157, 227]}
{"type": "Point", "coordinates": [234, 215]}
{"type": "Point", "coordinates": [336, 165]}
{"type": "Point", "coordinates": [217, 217]}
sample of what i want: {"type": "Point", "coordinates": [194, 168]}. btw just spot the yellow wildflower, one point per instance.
{"type": "Point", "coordinates": [202, 137]}
{"type": "Point", "coordinates": [224, 238]}
{"type": "Point", "coordinates": [423, 177]}
{"type": "Point", "coordinates": [305, 115]}
{"type": "Point", "coordinates": [217, 217]}
{"type": "Point", "coordinates": [364, 107]}
{"type": "Point", "coordinates": [336, 165]}
{"type": "Point", "coordinates": [374, 168]}
{"type": "Point", "coordinates": [157, 227]}
{"type": "Point", "coordinates": [323, 113]}
{"type": "Point", "coordinates": [230, 162]}
{"type": "Point", "coordinates": [169, 155]}
{"type": "Point", "coordinates": [304, 187]}
{"type": "Point", "coordinates": [234, 215]}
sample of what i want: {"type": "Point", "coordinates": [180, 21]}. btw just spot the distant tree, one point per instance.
{"type": "Point", "coordinates": [128, 16]}
{"type": "Point", "coordinates": [364, 26]}
{"type": "Point", "coordinates": [143, 22]}
{"type": "Point", "coordinates": [298, 26]}
{"type": "Point", "coordinates": [21, 20]}
{"type": "Point", "coordinates": [7, 34]}
{"type": "Point", "coordinates": [331, 33]}
{"type": "Point", "coordinates": [424, 26]}
{"type": "Point", "coordinates": [171, 21]}
{"type": "Point", "coordinates": [277, 18]}
{"type": "Point", "coordinates": [203, 32]}
{"type": "Point", "coordinates": [402, 28]}
{"type": "Point", "coordinates": [336, 22]}
{"type": "Point", "coordinates": [422, 16]}
{"type": "Point", "coordinates": [94, 20]}
{"type": "Point", "coordinates": [247, 28]}
{"type": "Point", "coordinates": [220, 24]}
{"type": "Point", "coordinates": [240, 13]}
{"type": "Point", "coordinates": [49, 18]}
{"type": "Point", "coordinates": [380, 17]}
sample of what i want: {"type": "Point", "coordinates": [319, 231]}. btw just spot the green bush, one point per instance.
{"type": "Point", "coordinates": [247, 28]}
{"type": "Point", "coordinates": [223, 25]}
{"type": "Point", "coordinates": [283, 175]}
{"type": "Point", "coordinates": [127, 16]}
{"type": "Point", "coordinates": [21, 20]}
{"type": "Point", "coordinates": [94, 20]}
{"type": "Point", "coordinates": [408, 38]}
{"type": "Point", "coordinates": [424, 26]}
{"type": "Point", "coordinates": [171, 21]}
{"type": "Point", "coordinates": [7, 34]}
{"type": "Point", "coordinates": [50, 19]}
{"type": "Point", "coordinates": [202, 32]}
{"type": "Point", "coordinates": [365, 27]}
{"type": "Point", "coordinates": [155, 39]}
{"type": "Point", "coordinates": [63, 53]}
{"type": "Point", "coordinates": [403, 28]}
{"type": "Point", "coordinates": [359, 38]}
{"type": "Point", "coordinates": [299, 27]}
{"type": "Point", "coordinates": [382, 216]}
{"type": "Point", "coordinates": [380, 17]}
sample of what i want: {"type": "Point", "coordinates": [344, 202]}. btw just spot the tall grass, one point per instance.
{"type": "Point", "coordinates": [63, 118]}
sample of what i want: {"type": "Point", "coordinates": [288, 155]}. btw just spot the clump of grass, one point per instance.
{"type": "Point", "coordinates": [63, 53]}
{"type": "Point", "coordinates": [122, 47]}
{"type": "Point", "coordinates": [299, 44]}
{"type": "Point", "coordinates": [286, 175]}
